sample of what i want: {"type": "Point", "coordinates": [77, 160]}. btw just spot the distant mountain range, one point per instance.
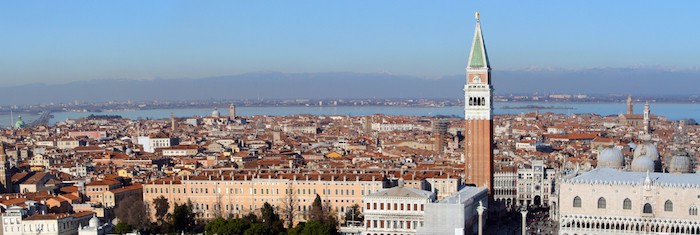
{"type": "Point", "coordinates": [276, 85]}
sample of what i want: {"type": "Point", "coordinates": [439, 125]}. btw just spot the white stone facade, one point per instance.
{"type": "Point", "coordinates": [608, 201]}
{"type": "Point", "coordinates": [505, 187]}
{"type": "Point", "coordinates": [395, 211]}
{"type": "Point", "coordinates": [535, 184]}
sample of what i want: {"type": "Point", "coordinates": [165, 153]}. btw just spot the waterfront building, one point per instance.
{"type": "Point", "coordinates": [221, 193]}
{"type": "Point", "coordinates": [20, 221]}
{"type": "Point", "coordinates": [609, 201]}
{"type": "Point", "coordinates": [394, 211]}
{"type": "Point", "coordinates": [478, 110]}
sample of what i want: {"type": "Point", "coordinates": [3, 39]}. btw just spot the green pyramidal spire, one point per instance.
{"type": "Point", "coordinates": [478, 57]}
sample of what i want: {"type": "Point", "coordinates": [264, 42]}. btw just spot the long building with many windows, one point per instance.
{"type": "Point", "coordinates": [609, 201]}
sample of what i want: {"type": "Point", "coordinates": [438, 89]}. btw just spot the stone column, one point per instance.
{"type": "Point", "coordinates": [480, 209]}
{"type": "Point", "coordinates": [523, 211]}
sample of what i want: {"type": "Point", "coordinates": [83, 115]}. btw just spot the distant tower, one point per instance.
{"type": "Point", "coordinates": [478, 109]}
{"type": "Point", "coordinates": [647, 121]}
{"type": "Point", "coordinates": [172, 123]}
{"type": "Point", "coordinates": [232, 112]}
{"type": "Point", "coordinates": [5, 175]}
{"type": "Point", "coordinates": [439, 133]}
{"type": "Point", "coordinates": [276, 136]}
{"type": "Point", "coordinates": [630, 106]}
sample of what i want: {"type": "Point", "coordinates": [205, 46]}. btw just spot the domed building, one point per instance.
{"type": "Point", "coordinates": [643, 164]}
{"type": "Point", "coordinates": [94, 227]}
{"type": "Point", "coordinates": [646, 149]}
{"type": "Point", "coordinates": [611, 158]}
{"type": "Point", "coordinates": [215, 113]}
{"type": "Point", "coordinates": [639, 199]}
{"type": "Point", "coordinates": [646, 156]}
{"type": "Point", "coordinates": [680, 163]}
{"type": "Point", "coordinates": [20, 123]}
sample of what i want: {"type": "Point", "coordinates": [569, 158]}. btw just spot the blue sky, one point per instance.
{"type": "Point", "coordinates": [63, 41]}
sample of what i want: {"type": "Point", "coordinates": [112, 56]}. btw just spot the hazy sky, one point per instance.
{"type": "Point", "coordinates": [62, 41]}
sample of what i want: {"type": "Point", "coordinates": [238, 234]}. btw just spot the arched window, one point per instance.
{"type": "Point", "coordinates": [668, 206]}
{"type": "Point", "coordinates": [627, 204]}
{"type": "Point", "coordinates": [577, 201]}
{"type": "Point", "coordinates": [693, 210]}
{"type": "Point", "coordinates": [601, 203]}
{"type": "Point", "coordinates": [647, 208]}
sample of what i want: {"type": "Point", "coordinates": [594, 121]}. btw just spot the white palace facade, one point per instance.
{"type": "Point", "coordinates": [608, 201]}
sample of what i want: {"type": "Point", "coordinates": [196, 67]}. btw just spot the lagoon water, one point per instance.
{"type": "Point", "coordinates": [672, 111]}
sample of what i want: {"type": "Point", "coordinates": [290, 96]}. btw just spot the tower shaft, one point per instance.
{"type": "Point", "coordinates": [478, 110]}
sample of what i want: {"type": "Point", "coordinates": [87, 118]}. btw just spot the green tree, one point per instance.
{"type": "Point", "coordinates": [123, 228]}
{"type": "Point", "coordinates": [237, 226]}
{"type": "Point", "coordinates": [313, 227]}
{"type": "Point", "coordinates": [297, 229]}
{"type": "Point", "coordinates": [217, 226]}
{"type": "Point", "coordinates": [162, 206]}
{"type": "Point", "coordinates": [256, 229]}
{"type": "Point", "coordinates": [271, 220]}
{"type": "Point", "coordinates": [183, 217]}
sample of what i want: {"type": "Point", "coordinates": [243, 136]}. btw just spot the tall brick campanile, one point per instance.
{"type": "Point", "coordinates": [478, 107]}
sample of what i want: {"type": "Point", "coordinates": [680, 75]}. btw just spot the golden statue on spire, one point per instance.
{"type": "Point", "coordinates": [477, 16]}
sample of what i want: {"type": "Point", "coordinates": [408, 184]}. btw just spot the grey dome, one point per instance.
{"type": "Point", "coordinates": [611, 158]}
{"type": "Point", "coordinates": [215, 113]}
{"type": "Point", "coordinates": [643, 164]}
{"type": "Point", "coordinates": [680, 164]}
{"type": "Point", "coordinates": [647, 149]}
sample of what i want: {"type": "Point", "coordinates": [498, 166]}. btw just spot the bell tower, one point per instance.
{"type": "Point", "coordinates": [630, 107]}
{"type": "Point", "coordinates": [5, 174]}
{"type": "Point", "coordinates": [478, 110]}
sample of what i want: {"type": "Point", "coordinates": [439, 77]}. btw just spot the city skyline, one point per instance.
{"type": "Point", "coordinates": [143, 41]}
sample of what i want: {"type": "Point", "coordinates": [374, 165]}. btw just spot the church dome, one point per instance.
{"type": "Point", "coordinates": [611, 158]}
{"type": "Point", "coordinates": [94, 222]}
{"type": "Point", "coordinates": [20, 123]}
{"type": "Point", "coordinates": [215, 113]}
{"type": "Point", "coordinates": [643, 164]}
{"type": "Point", "coordinates": [646, 149]}
{"type": "Point", "coordinates": [680, 164]}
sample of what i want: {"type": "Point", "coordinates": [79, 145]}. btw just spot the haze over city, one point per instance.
{"type": "Point", "coordinates": [596, 47]}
